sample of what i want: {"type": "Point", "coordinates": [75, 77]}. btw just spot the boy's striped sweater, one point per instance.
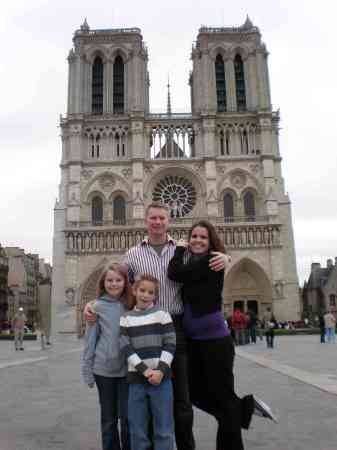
{"type": "Point", "coordinates": [148, 340]}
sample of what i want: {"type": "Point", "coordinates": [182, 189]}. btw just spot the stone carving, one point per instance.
{"type": "Point", "coordinates": [106, 182]}
{"type": "Point", "coordinates": [238, 180]}
{"type": "Point", "coordinates": [255, 168]}
{"type": "Point", "coordinates": [126, 172]}
{"type": "Point", "coordinates": [70, 296]}
{"type": "Point", "coordinates": [221, 169]}
{"type": "Point", "coordinates": [278, 288]}
{"type": "Point", "coordinates": [86, 174]}
{"type": "Point", "coordinates": [148, 169]}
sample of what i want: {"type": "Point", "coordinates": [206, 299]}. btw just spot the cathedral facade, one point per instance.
{"type": "Point", "coordinates": [221, 161]}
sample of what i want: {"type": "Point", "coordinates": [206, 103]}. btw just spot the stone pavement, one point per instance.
{"type": "Point", "coordinates": [44, 406]}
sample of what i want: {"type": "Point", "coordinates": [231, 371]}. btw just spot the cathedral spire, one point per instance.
{"type": "Point", "coordinates": [169, 111]}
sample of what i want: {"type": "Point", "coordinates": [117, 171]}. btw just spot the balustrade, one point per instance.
{"type": "Point", "coordinates": [109, 241]}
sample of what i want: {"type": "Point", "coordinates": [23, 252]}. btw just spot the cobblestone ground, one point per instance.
{"type": "Point", "coordinates": [44, 406]}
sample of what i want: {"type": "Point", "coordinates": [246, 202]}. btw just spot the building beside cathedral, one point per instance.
{"type": "Point", "coordinates": [220, 161]}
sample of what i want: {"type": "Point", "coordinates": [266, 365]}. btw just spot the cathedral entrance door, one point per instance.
{"type": "Point", "coordinates": [252, 305]}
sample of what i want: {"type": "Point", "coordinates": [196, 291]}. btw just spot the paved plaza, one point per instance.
{"type": "Point", "coordinates": [44, 406]}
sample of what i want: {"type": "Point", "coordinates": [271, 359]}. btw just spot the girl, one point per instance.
{"type": "Point", "coordinates": [102, 362]}
{"type": "Point", "coordinates": [210, 347]}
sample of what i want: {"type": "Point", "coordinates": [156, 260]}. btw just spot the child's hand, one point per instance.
{"type": "Point", "coordinates": [156, 377]}
{"type": "Point", "coordinates": [91, 385]}
{"type": "Point", "coordinates": [89, 314]}
{"type": "Point", "coordinates": [148, 373]}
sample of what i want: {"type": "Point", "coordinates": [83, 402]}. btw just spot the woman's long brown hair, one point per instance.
{"type": "Point", "coordinates": [215, 243]}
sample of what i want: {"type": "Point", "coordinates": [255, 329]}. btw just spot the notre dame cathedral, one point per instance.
{"type": "Point", "coordinates": [221, 161]}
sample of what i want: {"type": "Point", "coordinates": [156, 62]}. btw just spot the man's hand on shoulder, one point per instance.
{"type": "Point", "coordinates": [219, 261]}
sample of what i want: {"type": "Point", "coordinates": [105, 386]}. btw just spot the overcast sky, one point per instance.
{"type": "Point", "coordinates": [36, 37]}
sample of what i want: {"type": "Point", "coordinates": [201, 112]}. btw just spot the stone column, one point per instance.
{"type": "Point", "coordinates": [263, 82]}
{"type": "Point", "coordinates": [212, 195]}
{"type": "Point", "coordinates": [208, 126]}
{"type": "Point", "coordinates": [137, 189]}
{"type": "Point", "coordinates": [230, 85]}
{"type": "Point", "coordinates": [108, 92]}
{"type": "Point", "coordinates": [71, 81]}
{"type": "Point", "coordinates": [252, 82]}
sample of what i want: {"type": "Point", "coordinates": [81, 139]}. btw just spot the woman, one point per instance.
{"type": "Point", "coordinates": [210, 347]}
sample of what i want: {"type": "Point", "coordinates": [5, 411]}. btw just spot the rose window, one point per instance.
{"type": "Point", "coordinates": [177, 193]}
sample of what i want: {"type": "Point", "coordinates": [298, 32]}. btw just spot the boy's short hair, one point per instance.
{"type": "Point", "coordinates": [147, 277]}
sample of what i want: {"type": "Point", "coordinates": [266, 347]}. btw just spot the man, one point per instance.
{"type": "Point", "coordinates": [152, 256]}
{"type": "Point", "coordinates": [18, 326]}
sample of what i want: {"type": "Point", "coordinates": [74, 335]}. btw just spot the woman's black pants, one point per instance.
{"type": "Point", "coordinates": [211, 384]}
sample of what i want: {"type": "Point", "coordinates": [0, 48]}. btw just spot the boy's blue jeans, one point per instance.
{"type": "Point", "coordinates": [146, 400]}
{"type": "Point", "coordinates": [113, 399]}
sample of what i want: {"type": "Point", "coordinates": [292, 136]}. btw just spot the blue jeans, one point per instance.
{"type": "Point", "coordinates": [113, 399]}
{"type": "Point", "coordinates": [146, 400]}
{"type": "Point", "coordinates": [331, 335]}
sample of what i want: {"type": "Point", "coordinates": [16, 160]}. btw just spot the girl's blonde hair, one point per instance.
{"type": "Point", "coordinates": [146, 277]}
{"type": "Point", "coordinates": [126, 297]}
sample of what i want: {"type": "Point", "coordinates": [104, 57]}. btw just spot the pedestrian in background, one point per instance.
{"type": "Point", "coordinates": [18, 326]}
{"type": "Point", "coordinates": [330, 327]}
{"type": "Point", "coordinates": [321, 327]}
{"type": "Point", "coordinates": [269, 326]}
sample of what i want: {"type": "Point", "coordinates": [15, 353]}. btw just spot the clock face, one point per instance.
{"type": "Point", "coordinates": [177, 193]}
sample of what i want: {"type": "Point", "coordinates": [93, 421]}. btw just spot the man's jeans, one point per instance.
{"type": "Point", "coordinates": [113, 399]}
{"type": "Point", "coordinates": [146, 401]}
{"type": "Point", "coordinates": [330, 335]}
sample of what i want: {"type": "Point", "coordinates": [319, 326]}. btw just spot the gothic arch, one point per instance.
{"type": "Point", "coordinates": [241, 50]}
{"type": "Point", "coordinates": [86, 293]}
{"type": "Point", "coordinates": [119, 183]}
{"type": "Point", "coordinates": [120, 51]}
{"type": "Point", "coordinates": [97, 50]}
{"type": "Point", "coordinates": [247, 281]}
{"type": "Point", "coordinates": [219, 50]}
{"type": "Point", "coordinates": [249, 181]}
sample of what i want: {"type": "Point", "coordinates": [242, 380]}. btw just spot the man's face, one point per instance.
{"type": "Point", "coordinates": [157, 222]}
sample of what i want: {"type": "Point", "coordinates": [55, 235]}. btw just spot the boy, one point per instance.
{"type": "Point", "coordinates": [148, 340]}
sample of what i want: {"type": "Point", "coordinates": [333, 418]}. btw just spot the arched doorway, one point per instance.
{"type": "Point", "coordinates": [247, 287]}
{"type": "Point", "coordinates": [87, 292]}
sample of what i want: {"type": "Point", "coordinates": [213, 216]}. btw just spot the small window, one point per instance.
{"type": "Point", "coordinates": [332, 300]}
{"type": "Point", "coordinates": [249, 206]}
{"type": "Point", "coordinates": [118, 86]}
{"type": "Point", "coordinates": [97, 211]}
{"type": "Point", "coordinates": [240, 83]}
{"type": "Point", "coordinates": [220, 81]}
{"type": "Point", "coordinates": [97, 86]}
{"type": "Point", "coordinates": [228, 207]}
{"type": "Point", "coordinates": [119, 216]}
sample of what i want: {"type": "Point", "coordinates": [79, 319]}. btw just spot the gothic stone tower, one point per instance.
{"type": "Point", "coordinates": [220, 162]}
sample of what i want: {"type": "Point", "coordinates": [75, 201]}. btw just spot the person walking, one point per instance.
{"type": "Point", "coordinates": [269, 326]}
{"type": "Point", "coordinates": [18, 326]}
{"type": "Point", "coordinates": [239, 324]}
{"type": "Point", "coordinates": [252, 324]}
{"type": "Point", "coordinates": [152, 257]}
{"type": "Point", "coordinates": [330, 327]}
{"type": "Point", "coordinates": [102, 361]}
{"type": "Point", "coordinates": [210, 347]}
{"type": "Point", "coordinates": [148, 341]}
{"type": "Point", "coordinates": [321, 324]}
